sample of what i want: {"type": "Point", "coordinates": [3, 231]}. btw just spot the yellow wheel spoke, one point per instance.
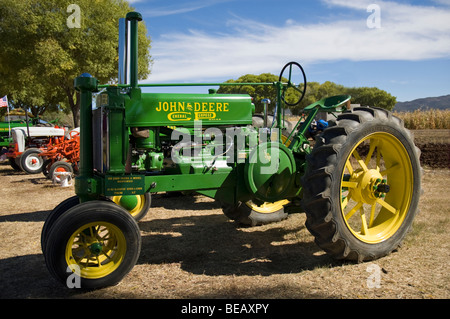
{"type": "Point", "coordinates": [373, 145]}
{"type": "Point", "coordinates": [349, 184]}
{"type": "Point", "coordinates": [364, 229]}
{"type": "Point", "coordinates": [372, 214]}
{"type": "Point", "coordinates": [345, 202]}
{"type": "Point", "coordinates": [378, 159]}
{"type": "Point", "coordinates": [353, 210]}
{"type": "Point", "coordinates": [360, 161]}
{"type": "Point", "coordinates": [387, 206]}
{"type": "Point", "coordinates": [78, 241]}
{"type": "Point", "coordinates": [108, 256]}
{"type": "Point", "coordinates": [91, 230]}
{"type": "Point", "coordinates": [348, 165]}
{"type": "Point", "coordinates": [99, 264]}
{"type": "Point", "coordinates": [86, 263]}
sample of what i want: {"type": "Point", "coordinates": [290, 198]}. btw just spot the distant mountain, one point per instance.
{"type": "Point", "coordinates": [439, 102]}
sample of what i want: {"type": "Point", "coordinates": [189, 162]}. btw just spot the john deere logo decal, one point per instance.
{"type": "Point", "coordinates": [179, 116]}
{"type": "Point", "coordinates": [186, 111]}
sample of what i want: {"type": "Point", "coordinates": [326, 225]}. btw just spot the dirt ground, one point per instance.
{"type": "Point", "coordinates": [434, 146]}
{"type": "Point", "coordinates": [191, 250]}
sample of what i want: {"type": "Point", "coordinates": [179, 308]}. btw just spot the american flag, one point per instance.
{"type": "Point", "coordinates": [4, 101]}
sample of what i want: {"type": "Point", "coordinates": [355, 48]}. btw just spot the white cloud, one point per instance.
{"type": "Point", "coordinates": [407, 32]}
{"type": "Point", "coordinates": [185, 7]}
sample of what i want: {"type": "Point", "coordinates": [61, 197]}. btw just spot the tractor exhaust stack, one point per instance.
{"type": "Point", "coordinates": [128, 49]}
{"type": "Point", "coordinates": [123, 51]}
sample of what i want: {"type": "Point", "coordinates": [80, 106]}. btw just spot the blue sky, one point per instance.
{"type": "Point", "coordinates": [399, 46]}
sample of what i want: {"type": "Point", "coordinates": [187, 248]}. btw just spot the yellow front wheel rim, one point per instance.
{"type": "Point", "coordinates": [95, 250]}
{"type": "Point", "coordinates": [267, 208]}
{"type": "Point", "coordinates": [376, 188]}
{"type": "Point", "coordinates": [133, 206]}
{"type": "Point", "coordinates": [285, 141]}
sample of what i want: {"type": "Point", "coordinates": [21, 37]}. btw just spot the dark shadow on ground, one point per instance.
{"type": "Point", "coordinates": [207, 244]}
{"type": "Point", "coordinates": [212, 245]}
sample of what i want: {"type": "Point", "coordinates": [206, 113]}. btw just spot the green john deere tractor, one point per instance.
{"type": "Point", "coordinates": [359, 184]}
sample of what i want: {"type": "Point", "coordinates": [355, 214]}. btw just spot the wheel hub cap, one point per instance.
{"type": "Point", "coordinates": [96, 248]}
{"type": "Point", "coordinates": [370, 185]}
{"type": "Point", "coordinates": [380, 188]}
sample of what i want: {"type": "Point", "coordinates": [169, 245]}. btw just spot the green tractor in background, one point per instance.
{"type": "Point", "coordinates": [16, 119]}
{"type": "Point", "coordinates": [24, 137]}
{"type": "Point", "coordinates": [359, 182]}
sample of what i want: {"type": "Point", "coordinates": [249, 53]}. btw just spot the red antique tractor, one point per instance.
{"type": "Point", "coordinates": [28, 143]}
{"type": "Point", "coordinates": [63, 156]}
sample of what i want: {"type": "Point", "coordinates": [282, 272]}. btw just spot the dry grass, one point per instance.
{"type": "Point", "coordinates": [425, 119]}
{"type": "Point", "coordinates": [191, 250]}
{"type": "Point", "coordinates": [436, 136]}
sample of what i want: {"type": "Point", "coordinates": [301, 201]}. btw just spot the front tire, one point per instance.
{"type": "Point", "coordinates": [362, 185]}
{"type": "Point", "coordinates": [54, 215]}
{"type": "Point", "coordinates": [252, 214]}
{"type": "Point", "coordinates": [31, 162]}
{"type": "Point", "coordinates": [97, 240]}
{"type": "Point", "coordinates": [59, 167]}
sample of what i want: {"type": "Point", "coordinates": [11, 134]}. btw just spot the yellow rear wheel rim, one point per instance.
{"type": "Point", "coordinates": [95, 250]}
{"type": "Point", "coordinates": [376, 188]}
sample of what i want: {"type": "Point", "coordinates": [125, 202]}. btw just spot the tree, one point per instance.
{"type": "Point", "coordinates": [372, 96]}
{"type": "Point", "coordinates": [258, 92]}
{"type": "Point", "coordinates": [43, 52]}
{"type": "Point", "coordinates": [314, 92]}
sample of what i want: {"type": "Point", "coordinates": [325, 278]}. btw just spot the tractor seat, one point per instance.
{"type": "Point", "coordinates": [330, 103]}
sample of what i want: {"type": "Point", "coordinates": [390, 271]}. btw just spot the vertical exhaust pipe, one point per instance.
{"type": "Point", "coordinates": [134, 18]}
{"type": "Point", "coordinates": [128, 49]}
{"type": "Point", "coordinates": [123, 51]}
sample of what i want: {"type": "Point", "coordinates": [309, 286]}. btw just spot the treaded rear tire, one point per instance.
{"type": "Point", "coordinates": [323, 180]}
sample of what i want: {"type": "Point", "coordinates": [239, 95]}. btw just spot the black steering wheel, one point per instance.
{"type": "Point", "coordinates": [293, 69]}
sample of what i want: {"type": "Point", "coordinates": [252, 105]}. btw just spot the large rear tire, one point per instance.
{"type": "Point", "coordinates": [362, 185]}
